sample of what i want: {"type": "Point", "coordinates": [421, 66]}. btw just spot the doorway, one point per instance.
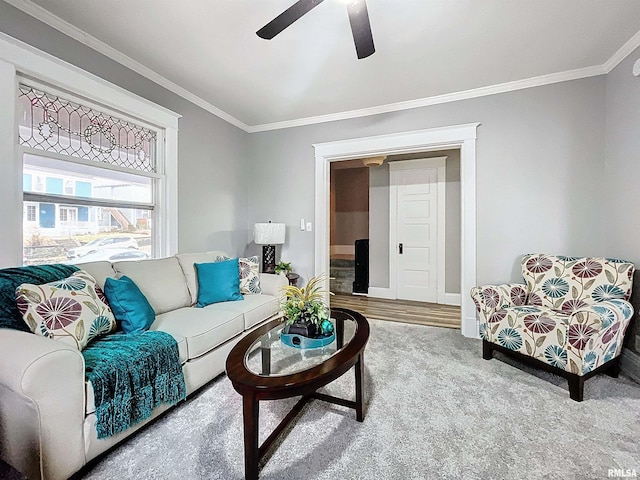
{"type": "Point", "coordinates": [349, 226]}
{"type": "Point", "coordinates": [460, 136]}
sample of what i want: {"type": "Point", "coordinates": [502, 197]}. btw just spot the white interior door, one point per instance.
{"type": "Point", "coordinates": [417, 228]}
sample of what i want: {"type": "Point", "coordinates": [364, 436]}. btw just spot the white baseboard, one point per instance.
{"type": "Point", "coordinates": [387, 293]}
{"type": "Point", "coordinates": [452, 299]}
{"type": "Point", "coordinates": [470, 327]}
{"type": "Point", "coordinates": [380, 292]}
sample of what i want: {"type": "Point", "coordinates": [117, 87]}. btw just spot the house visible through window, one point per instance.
{"type": "Point", "coordinates": [87, 176]}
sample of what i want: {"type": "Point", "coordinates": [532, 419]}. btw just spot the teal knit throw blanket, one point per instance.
{"type": "Point", "coordinates": [11, 278]}
{"type": "Point", "coordinates": [131, 375]}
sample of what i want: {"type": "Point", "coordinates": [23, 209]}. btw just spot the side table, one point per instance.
{"type": "Point", "coordinates": [293, 278]}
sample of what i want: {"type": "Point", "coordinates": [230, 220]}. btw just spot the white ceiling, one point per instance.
{"type": "Point", "coordinates": [424, 49]}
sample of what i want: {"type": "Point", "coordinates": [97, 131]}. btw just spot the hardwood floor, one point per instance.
{"type": "Point", "coordinates": [401, 310]}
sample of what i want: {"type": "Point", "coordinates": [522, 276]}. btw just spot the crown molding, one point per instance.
{"type": "Point", "coordinates": [90, 41]}
{"type": "Point", "coordinates": [36, 11]}
{"type": "Point", "coordinates": [438, 99]}
{"type": "Point", "coordinates": [41, 67]}
{"type": "Point", "coordinates": [623, 52]}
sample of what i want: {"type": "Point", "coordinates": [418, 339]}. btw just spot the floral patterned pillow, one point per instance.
{"type": "Point", "coordinates": [249, 275]}
{"type": "Point", "coordinates": [73, 310]}
{"type": "Point", "coordinates": [249, 271]}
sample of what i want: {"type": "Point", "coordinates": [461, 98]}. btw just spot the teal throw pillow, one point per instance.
{"type": "Point", "coordinates": [129, 305]}
{"type": "Point", "coordinates": [218, 282]}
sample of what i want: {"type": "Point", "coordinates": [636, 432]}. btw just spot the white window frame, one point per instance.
{"type": "Point", "coordinates": [68, 211]}
{"type": "Point", "coordinates": [18, 59]}
{"type": "Point", "coordinates": [156, 176]}
{"type": "Point", "coordinates": [33, 205]}
{"type": "Point", "coordinates": [72, 190]}
{"type": "Point", "coordinates": [39, 183]}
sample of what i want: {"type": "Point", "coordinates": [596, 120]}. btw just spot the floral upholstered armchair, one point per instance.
{"type": "Point", "coordinates": [569, 317]}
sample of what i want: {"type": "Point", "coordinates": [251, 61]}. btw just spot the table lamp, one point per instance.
{"type": "Point", "coordinates": [268, 235]}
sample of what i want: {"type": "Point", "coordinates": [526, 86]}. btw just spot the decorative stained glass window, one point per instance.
{"type": "Point", "coordinates": [89, 178]}
{"type": "Point", "coordinates": [54, 124]}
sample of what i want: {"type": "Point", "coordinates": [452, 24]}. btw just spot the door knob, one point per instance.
{"type": "Point", "coordinates": [400, 248]}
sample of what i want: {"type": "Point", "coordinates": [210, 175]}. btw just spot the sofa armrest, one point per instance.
{"type": "Point", "coordinates": [601, 326]}
{"type": "Point", "coordinates": [491, 298]}
{"type": "Point", "coordinates": [271, 284]}
{"type": "Point", "coordinates": [41, 405]}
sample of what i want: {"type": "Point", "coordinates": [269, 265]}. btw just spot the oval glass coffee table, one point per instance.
{"type": "Point", "coordinates": [261, 367]}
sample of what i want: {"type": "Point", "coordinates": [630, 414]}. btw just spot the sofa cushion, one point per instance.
{"type": "Point", "coordinates": [577, 341]}
{"type": "Point", "coordinates": [554, 281]}
{"type": "Point", "coordinates": [71, 310]}
{"type": "Point", "coordinates": [218, 282]}
{"type": "Point", "coordinates": [90, 406]}
{"type": "Point", "coordinates": [98, 270]}
{"type": "Point", "coordinates": [129, 305]}
{"type": "Point", "coordinates": [203, 328]}
{"type": "Point", "coordinates": [160, 280]}
{"type": "Point", "coordinates": [187, 264]}
{"type": "Point", "coordinates": [255, 308]}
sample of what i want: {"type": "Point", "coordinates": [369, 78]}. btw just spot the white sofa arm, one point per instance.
{"type": "Point", "coordinates": [41, 405]}
{"type": "Point", "coordinates": [271, 284]}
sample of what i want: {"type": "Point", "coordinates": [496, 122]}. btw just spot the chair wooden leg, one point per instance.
{"type": "Point", "coordinates": [614, 369]}
{"type": "Point", "coordinates": [576, 387]}
{"type": "Point", "coordinates": [487, 351]}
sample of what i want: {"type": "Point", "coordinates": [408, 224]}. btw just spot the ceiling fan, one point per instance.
{"type": "Point", "coordinates": [358, 17]}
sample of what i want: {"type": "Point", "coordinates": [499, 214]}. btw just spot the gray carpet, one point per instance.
{"type": "Point", "coordinates": [435, 409]}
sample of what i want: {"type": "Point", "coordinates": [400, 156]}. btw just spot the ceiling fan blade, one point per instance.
{"type": "Point", "coordinates": [361, 28]}
{"type": "Point", "coordinates": [286, 18]}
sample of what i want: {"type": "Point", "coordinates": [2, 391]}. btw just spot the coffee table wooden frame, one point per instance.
{"type": "Point", "coordinates": [254, 388]}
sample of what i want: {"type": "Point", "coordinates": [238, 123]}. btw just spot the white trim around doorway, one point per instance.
{"type": "Point", "coordinates": [457, 136]}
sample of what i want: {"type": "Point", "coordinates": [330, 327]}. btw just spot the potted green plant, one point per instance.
{"type": "Point", "coordinates": [283, 268]}
{"type": "Point", "coordinates": [305, 310]}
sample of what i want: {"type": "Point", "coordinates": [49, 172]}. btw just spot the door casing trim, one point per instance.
{"type": "Point", "coordinates": [456, 136]}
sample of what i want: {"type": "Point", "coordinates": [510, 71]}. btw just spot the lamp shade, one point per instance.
{"type": "Point", "coordinates": [268, 233]}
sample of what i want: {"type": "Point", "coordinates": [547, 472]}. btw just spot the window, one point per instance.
{"type": "Point", "coordinates": [31, 213]}
{"type": "Point", "coordinates": [39, 184]}
{"type": "Point", "coordinates": [68, 215]}
{"type": "Point", "coordinates": [90, 175]}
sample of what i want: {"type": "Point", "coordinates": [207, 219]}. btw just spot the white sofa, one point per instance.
{"type": "Point", "coordinates": [47, 420]}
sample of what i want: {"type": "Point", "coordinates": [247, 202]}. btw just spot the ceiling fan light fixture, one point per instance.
{"type": "Point", "coordinates": [358, 18]}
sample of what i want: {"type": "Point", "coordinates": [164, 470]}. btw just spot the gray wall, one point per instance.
{"type": "Point", "coordinates": [539, 161]}
{"type": "Point", "coordinates": [621, 221]}
{"type": "Point", "coordinates": [623, 161]}
{"type": "Point", "coordinates": [379, 226]}
{"type": "Point", "coordinates": [212, 169]}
